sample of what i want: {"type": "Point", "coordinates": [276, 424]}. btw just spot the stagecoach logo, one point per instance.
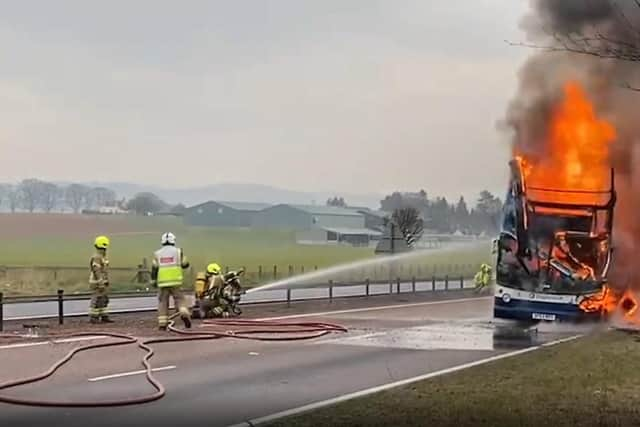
{"type": "Point", "coordinates": [533, 295]}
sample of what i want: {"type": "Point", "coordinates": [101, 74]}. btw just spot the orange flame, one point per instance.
{"type": "Point", "coordinates": [576, 156]}
{"type": "Point", "coordinates": [609, 302]}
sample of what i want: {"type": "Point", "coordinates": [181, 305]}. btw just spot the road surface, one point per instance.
{"type": "Point", "coordinates": [34, 310]}
{"type": "Point", "coordinates": [221, 383]}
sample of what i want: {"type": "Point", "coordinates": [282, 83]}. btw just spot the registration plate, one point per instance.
{"type": "Point", "coordinates": [543, 316]}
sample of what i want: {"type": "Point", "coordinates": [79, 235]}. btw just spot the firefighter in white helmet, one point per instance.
{"type": "Point", "coordinates": [167, 276]}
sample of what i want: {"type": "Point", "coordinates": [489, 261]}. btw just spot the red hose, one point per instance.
{"type": "Point", "coordinates": [263, 331]}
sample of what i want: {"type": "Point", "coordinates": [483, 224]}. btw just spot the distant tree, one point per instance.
{"type": "Point", "coordinates": [392, 202]}
{"type": "Point", "coordinates": [31, 193]}
{"type": "Point", "coordinates": [75, 196]}
{"type": "Point", "coordinates": [337, 202]}
{"type": "Point", "coordinates": [50, 195]}
{"type": "Point", "coordinates": [410, 224]}
{"type": "Point", "coordinates": [146, 203]}
{"type": "Point", "coordinates": [4, 192]}
{"type": "Point", "coordinates": [440, 215]}
{"type": "Point", "coordinates": [103, 196]}
{"type": "Point", "coordinates": [461, 215]}
{"type": "Point", "coordinates": [487, 211]}
{"type": "Point", "coordinates": [398, 200]}
{"type": "Point", "coordinates": [13, 198]}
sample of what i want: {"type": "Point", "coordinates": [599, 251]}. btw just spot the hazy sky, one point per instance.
{"type": "Point", "coordinates": [348, 95]}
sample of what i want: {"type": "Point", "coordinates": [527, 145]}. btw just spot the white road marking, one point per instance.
{"type": "Point", "coordinates": [128, 374]}
{"type": "Point", "coordinates": [383, 307]}
{"type": "Point", "coordinates": [366, 392]}
{"type": "Point", "coordinates": [62, 341]}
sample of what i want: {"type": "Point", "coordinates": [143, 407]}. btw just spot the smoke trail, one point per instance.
{"type": "Point", "coordinates": [540, 84]}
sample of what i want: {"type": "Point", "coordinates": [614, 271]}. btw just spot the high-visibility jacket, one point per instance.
{"type": "Point", "coordinates": [169, 262]}
{"type": "Point", "coordinates": [482, 277]}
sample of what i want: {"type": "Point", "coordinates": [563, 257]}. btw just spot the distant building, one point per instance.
{"type": "Point", "coordinates": [306, 217]}
{"type": "Point", "coordinates": [338, 235]}
{"type": "Point", "coordinates": [316, 224]}
{"type": "Point", "coordinates": [374, 220]}
{"type": "Point", "coordinates": [223, 214]}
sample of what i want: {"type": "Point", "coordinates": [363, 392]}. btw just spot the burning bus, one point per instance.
{"type": "Point", "coordinates": [554, 251]}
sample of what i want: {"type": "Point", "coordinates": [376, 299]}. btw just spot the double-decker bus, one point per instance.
{"type": "Point", "coordinates": [553, 251]}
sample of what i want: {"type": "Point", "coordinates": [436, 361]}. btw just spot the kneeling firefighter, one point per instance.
{"type": "Point", "coordinates": [482, 279]}
{"type": "Point", "coordinates": [167, 276]}
{"type": "Point", "coordinates": [222, 294]}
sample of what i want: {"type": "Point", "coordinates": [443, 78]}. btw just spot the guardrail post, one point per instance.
{"type": "Point", "coordinates": [288, 297]}
{"type": "Point", "coordinates": [60, 306]}
{"type": "Point", "coordinates": [366, 286]}
{"type": "Point", "coordinates": [413, 284]}
{"type": "Point", "coordinates": [1, 312]}
{"type": "Point", "coordinates": [397, 285]}
{"type": "Point", "coordinates": [259, 273]}
{"type": "Point", "coordinates": [330, 290]}
{"type": "Point", "coordinates": [302, 269]}
{"type": "Point", "coordinates": [275, 272]}
{"type": "Point", "coordinates": [290, 271]}
{"type": "Point", "coordinates": [390, 286]}
{"type": "Point", "coordinates": [446, 282]}
{"type": "Point", "coordinates": [461, 282]}
{"type": "Point", "coordinates": [433, 283]}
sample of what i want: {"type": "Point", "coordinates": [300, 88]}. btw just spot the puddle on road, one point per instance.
{"type": "Point", "coordinates": [450, 336]}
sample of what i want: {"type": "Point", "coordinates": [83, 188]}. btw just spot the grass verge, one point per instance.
{"type": "Point", "coordinates": [594, 381]}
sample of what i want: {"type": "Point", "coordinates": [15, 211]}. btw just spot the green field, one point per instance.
{"type": "Point", "coordinates": [594, 381]}
{"type": "Point", "coordinates": [61, 256]}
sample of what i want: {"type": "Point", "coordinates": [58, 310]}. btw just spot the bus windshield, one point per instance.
{"type": "Point", "coordinates": [567, 252]}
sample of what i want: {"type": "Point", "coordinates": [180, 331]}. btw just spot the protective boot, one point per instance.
{"type": "Point", "coordinates": [94, 320]}
{"type": "Point", "coordinates": [162, 328]}
{"type": "Point", "coordinates": [106, 319]}
{"type": "Point", "coordinates": [186, 321]}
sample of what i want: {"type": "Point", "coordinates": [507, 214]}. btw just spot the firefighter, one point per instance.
{"type": "Point", "coordinates": [99, 282]}
{"type": "Point", "coordinates": [482, 278]}
{"type": "Point", "coordinates": [208, 297]}
{"type": "Point", "coordinates": [167, 276]}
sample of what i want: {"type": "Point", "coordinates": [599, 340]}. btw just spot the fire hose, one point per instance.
{"type": "Point", "coordinates": [261, 331]}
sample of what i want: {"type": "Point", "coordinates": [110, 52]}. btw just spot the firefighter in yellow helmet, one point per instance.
{"type": "Point", "coordinates": [167, 276]}
{"type": "Point", "coordinates": [208, 289]}
{"type": "Point", "coordinates": [99, 282]}
{"type": "Point", "coordinates": [482, 279]}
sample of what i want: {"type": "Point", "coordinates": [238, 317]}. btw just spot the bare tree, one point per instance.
{"type": "Point", "coordinates": [4, 191]}
{"type": "Point", "coordinates": [50, 195]}
{"type": "Point", "coordinates": [103, 196]}
{"type": "Point", "coordinates": [610, 30]}
{"type": "Point", "coordinates": [410, 224]}
{"type": "Point", "coordinates": [75, 195]}
{"type": "Point", "coordinates": [31, 191]}
{"type": "Point", "coordinates": [13, 198]}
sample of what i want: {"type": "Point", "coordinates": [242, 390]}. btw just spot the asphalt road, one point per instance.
{"type": "Point", "coordinates": [17, 311]}
{"type": "Point", "coordinates": [224, 382]}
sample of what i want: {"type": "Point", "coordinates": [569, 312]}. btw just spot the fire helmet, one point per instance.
{"type": "Point", "coordinates": [101, 242]}
{"type": "Point", "coordinates": [213, 268]}
{"type": "Point", "coordinates": [168, 239]}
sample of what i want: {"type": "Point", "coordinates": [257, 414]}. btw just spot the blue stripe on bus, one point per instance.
{"type": "Point", "coordinates": [523, 310]}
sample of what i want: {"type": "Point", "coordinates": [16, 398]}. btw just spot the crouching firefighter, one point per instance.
{"type": "Point", "coordinates": [167, 276]}
{"type": "Point", "coordinates": [482, 279]}
{"type": "Point", "coordinates": [99, 282]}
{"type": "Point", "coordinates": [222, 296]}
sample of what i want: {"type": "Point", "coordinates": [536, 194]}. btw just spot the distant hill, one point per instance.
{"type": "Point", "coordinates": [238, 192]}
